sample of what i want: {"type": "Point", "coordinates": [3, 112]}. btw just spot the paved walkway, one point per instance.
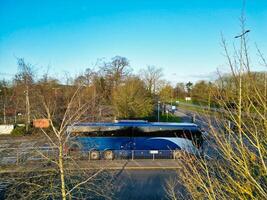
{"type": "Point", "coordinates": [141, 164]}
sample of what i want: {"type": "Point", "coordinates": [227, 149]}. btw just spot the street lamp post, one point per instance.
{"type": "Point", "coordinates": [171, 96]}
{"type": "Point", "coordinates": [241, 36]}
{"type": "Point", "coordinates": [174, 74]}
{"type": "Point", "coordinates": [167, 112]}
{"type": "Point", "coordinates": [158, 109]}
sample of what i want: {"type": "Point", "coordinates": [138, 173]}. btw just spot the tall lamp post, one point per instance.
{"type": "Point", "coordinates": [174, 74]}
{"type": "Point", "coordinates": [241, 36]}
{"type": "Point", "coordinates": [158, 109]}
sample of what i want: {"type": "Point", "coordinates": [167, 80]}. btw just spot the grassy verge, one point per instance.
{"type": "Point", "coordinates": [201, 111]}
{"type": "Point", "coordinates": [162, 118]}
{"type": "Point", "coordinates": [195, 109]}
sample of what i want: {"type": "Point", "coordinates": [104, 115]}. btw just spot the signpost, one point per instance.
{"type": "Point", "coordinates": [41, 123]}
{"type": "Point", "coordinates": [153, 152]}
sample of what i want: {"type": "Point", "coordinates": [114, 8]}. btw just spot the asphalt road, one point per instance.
{"type": "Point", "coordinates": [205, 122]}
{"type": "Point", "coordinates": [133, 184]}
{"type": "Point", "coordinates": [144, 184]}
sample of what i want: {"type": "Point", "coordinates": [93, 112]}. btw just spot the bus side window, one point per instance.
{"type": "Point", "coordinates": [186, 134]}
{"type": "Point", "coordinates": [123, 132]}
{"type": "Point", "coordinates": [139, 132]}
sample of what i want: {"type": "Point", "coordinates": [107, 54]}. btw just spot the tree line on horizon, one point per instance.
{"type": "Point", "coordinates": [113, 90]}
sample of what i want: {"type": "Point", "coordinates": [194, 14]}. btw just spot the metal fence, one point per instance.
{"type": "Point", "coordinates": [138, 154]}
{"type": "Point", "coordinates": [28, 154]}
{"type": "Point", "coordinates": [19, 156]}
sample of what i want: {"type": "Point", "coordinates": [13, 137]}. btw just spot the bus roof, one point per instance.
{"type": "Point", "coordinates": [135, 124]}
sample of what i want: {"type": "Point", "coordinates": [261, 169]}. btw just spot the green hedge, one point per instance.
{"type": "Point", "coordinates": [163, 118]}
{"type": "Point", "coordinates": [19, 130]}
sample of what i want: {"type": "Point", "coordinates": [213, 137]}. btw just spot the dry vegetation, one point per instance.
{"type": "Point", "coordinates": [236, 168]}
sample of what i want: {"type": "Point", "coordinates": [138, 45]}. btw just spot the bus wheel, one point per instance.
{"type": "Point", "coordinates": [74, 151]}
{"type": "Point", "coordinates": [94, 155]}
{"type": "Point", "coordinates": [108, 155]}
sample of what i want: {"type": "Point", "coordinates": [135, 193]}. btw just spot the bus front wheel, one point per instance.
{"type": "Point", "coordinates": [94, 155]}
{"type": "Point", "coordinates": [108, 155]}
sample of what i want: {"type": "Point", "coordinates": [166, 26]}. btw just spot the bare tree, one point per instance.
{"type": "Point", "coordinates": [116, 70]}
{"type": "Point", "coordinates": [64, 177]}
{"type": "Point", "coordinates": [74, 112]}
{"type": "Point", "coordinates": [235, 167]}
{"type": "Point", "coordinates": [24, 79]}
{"type": "Point", "coordinates": [151, 76]}
{"type": "Point", "coordinates": [179, 90]}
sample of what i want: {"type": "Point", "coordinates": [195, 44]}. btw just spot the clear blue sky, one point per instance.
{"type": "Point", "coordinates": [181, 36]}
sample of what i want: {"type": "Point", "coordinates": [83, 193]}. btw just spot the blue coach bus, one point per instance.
{"type": "Point", "coordinates": [108, 140]}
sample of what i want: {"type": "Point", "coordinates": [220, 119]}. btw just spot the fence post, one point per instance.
{"type": "Point", "coordinates": [47, 152]}
{"type": "Point", "coordinates": [17, 156]}
{"type": "Point", "coordinates": [132, 154]}
{"type": "Point", "coordinates": [193, 118]}
{"type": "Point", "coordinates": [230, 130]}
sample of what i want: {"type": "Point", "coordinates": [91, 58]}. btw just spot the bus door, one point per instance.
{"type": "Point", "coordinates": [144, 145]}
{"type": "Point", "coordinates": [140, 138]}
{"type": "Point", "coordinates": [125, 135]}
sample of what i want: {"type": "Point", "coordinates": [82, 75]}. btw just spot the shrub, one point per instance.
{"type": "Point", "coordinates": [19, 130]}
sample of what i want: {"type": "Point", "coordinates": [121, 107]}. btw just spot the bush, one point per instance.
{"type": "Point", "coordinates": [19, 130]}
